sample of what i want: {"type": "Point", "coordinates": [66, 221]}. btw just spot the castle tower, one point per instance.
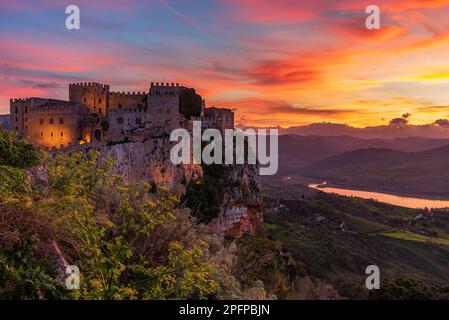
{"type": "Point", "coordinates": [94, 95]}
{"type": "Point", "coordinates": [163, 104]}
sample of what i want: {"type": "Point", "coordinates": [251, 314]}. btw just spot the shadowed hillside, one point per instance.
{"type": "Point", "coordinates": [422, 173]}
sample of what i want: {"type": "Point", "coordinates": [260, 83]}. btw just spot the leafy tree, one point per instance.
{"type": "Point", "coordinates": [17, 153]}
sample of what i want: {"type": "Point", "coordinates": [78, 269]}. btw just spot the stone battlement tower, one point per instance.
{"type": "Point", "coordinates": [94, 95]}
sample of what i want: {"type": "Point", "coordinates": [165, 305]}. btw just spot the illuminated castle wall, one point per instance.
{"type": "Point", "coordinates": [95, 114]}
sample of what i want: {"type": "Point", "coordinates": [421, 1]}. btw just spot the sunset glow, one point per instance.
{"type": "Point", "coordinates": [275, 62]}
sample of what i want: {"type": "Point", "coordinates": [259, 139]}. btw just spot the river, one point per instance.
{"type": "Point", "coordinates": [409, 202]}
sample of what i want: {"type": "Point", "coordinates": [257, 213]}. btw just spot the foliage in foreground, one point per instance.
{"type": "Point", "coordinates": [129, 241]}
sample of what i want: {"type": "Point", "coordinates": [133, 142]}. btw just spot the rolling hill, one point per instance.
{"type": "Point", "coordinates": [424, 173]}
{"type": "Point", "coordinates": [298, 151]}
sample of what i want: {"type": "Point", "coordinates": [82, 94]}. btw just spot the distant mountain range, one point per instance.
{"type": "Point", "coordinates": [298, 151]}
{"type": "Point", "coordinates": [437, 130]}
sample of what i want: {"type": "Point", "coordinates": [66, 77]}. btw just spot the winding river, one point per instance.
{"type": "Point", "coordinates": [410, 202]}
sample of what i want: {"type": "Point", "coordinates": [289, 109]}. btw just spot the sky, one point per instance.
{"type": "Point", "coordinates": [277, 63]}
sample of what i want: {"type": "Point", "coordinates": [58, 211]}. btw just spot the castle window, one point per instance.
{"type": "Point", "coordinates": [51, 134]}
{"type": "Point", "coordinates": [26, 119]}
{"type": "Point", "coordinates": [51, 121]}
{"type": "Point", "coordinates": [139, 105]}
{"type": "Point", "coordinates": [17, 119]}
{"type": "Point", "coordinates": [62, 134]}
{"type": "Point", "coordinates": [84, 100]}
{"type": "Point", "coordinates": [42, 134]}
{"type": "Point", "coordinates": [120, 106]}
{"type": "Point", "coordinates": [17, 128]}
{"type": "Point", "coordinates": [158, 93]}
{"type": "Point", "coordinates": [41, 121]}
{"type": "Point", "coordinates": [16, 110]}
{"type": "Point", "coordinates": [99, 110]}
{"type": "Point", "coordinates": [99, 100]}
{"type": "Point", "coordinates": [119, 120]}
{"type": "Point", "coordinates": [138, 121]}
{"type": "Point", "coordinates": [26, 127]}
{"type": "Point", "coordinates": [61, 120]}
{"type": "Point", "coordinates": [26, 109]}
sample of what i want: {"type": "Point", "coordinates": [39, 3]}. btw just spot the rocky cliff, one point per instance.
{"type": "Point", "coordinates": [240, 210]}
{"type": "Point", "coordinates": [236, 204]}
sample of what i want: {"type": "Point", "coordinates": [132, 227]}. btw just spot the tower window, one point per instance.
{"type": "Point", "coordinates": [42, 134]}
{"type": "Point", "coordinates": [51, 121]}
{"type": "Point", "coordinates": [61, 120]}
{"type": "Point", "coordinates": [120, 105]}
{"type": "Point", "coordinates": [84, 100]}
{"type": "Point", "coordinates": [41, 121]}
{"type": "Point", "coordinates": [62, 134]}
{"type": "Point", "coordinates": [99, 100]}
{"type": "Point", "coordinates": [17, 119]}
{"type": "Point", "coordinates": [16, 110]}
{"type": "Point", "coordinates": [51, 134]}
{"type": "Point", "coordinates": [26, 109]}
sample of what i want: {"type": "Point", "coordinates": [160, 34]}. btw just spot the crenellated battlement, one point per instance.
{"type": "Point", "coordinates": [89, 84]}
{"type": "Point", "coordinates": [164, 84]}
{"type": "Point", "coordinates": [122, 93]}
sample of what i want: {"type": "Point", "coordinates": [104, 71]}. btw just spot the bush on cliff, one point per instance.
{"type": "Point", "coordinates": [17, 153]}
{"type": "Point", "coordinates": [129, 241]}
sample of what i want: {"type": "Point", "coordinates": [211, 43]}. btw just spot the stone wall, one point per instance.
{"type": "Point", "coordinates": [94, 95]}
{"type": "Point", "coordinates": [127, 100]}
{"type": "Point", "coordinates": [163, 104]}
{"type": "Point", "coordinates": [50, 123]}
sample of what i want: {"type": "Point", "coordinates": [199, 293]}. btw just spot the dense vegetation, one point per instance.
{"type": "Point", "coordinates": [129, 242]}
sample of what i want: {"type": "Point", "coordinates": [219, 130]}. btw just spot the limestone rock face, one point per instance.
{"type": "Point", "coordinates": [240, 211]}
{"type": "Point", "coordinates": [149, 160]}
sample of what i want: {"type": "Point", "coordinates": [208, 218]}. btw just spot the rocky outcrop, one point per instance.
{"type": "Point", "coordinates": [240, 211]}
{"type": "Point", "coordinates": [148, 159]}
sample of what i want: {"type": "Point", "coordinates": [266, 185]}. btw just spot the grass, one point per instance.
{"type": "Point", "coordinates": [409, 236]}
{"type": "Point", "coordinates": [373, 233]}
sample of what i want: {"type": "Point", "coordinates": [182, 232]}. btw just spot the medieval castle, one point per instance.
{"type": "Point", "coordinates": [95, 114]}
